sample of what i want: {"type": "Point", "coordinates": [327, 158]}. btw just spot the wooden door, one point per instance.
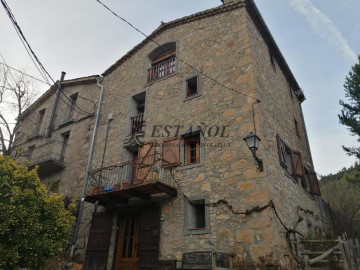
{"type": "Point", "coordinates": [99, 241]}
{"type": "Point", "coordinates": [144, 163]}
{"type": "Point", "coordinates": [149, 239]}
{"type": "Point", "coordinates": [127, 243]}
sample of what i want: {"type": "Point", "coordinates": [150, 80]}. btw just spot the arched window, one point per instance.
{"type": "Point", "coordinates": [163, 62]}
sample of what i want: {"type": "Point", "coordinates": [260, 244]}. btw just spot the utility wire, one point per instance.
{"type": "Point", "coordinates": [23, 73]}
{"type": "Point", "coordinates": [181, 60]}
{"type": "Point", "coordinates": [2, 57]}
{"type": "Point", "coordinates": [19, 31]}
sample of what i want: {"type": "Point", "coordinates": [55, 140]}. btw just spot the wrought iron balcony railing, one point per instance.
{"type": "Point", "coordinates": [36, 131]}
{"type": "Point", "coordinates": [49, 151]}
{"type": "Point", "coordinates": [134, 173]}
{"type": "Point", "coordinates": [162, 70]}
{"type": "Point", "coordinates": [137, 123]}
{"type": "Point", "coordinates": [66, 115]}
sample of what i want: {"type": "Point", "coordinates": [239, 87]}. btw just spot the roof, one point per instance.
{"type": "Point", "coordinates": [253, 12]}
{"type": "Point", "coordinates": [52, 90]}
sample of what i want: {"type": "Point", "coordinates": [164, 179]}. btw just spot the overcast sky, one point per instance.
{"type": "Point", "coordinates": [318, 38]}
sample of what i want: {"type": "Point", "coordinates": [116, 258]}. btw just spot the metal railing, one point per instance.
{"type": "Point", "coordinates": [137, 123]}
{"type": "Point", "coordinates": [35, 131]}
{"type": "Point", "coordinates": [66, 114]}
{"type": "Point", "coordinates": [49, 151]}
{"type": "Point", "coordinates": [128, 174]}
{"type": "Point", "coordinates": [162, 70]}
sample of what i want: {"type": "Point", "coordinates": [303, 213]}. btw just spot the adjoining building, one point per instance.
{"type": "Point", "coordinates": [155, 149]}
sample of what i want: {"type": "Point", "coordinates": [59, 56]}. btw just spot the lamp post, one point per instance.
{"type": "Point", "coordinates": [252, 141]}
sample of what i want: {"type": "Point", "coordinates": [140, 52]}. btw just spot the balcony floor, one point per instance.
{"type": "Point", "coordinates": [48, 167]}
{"type": "Point", "coordinates": [143, 191]}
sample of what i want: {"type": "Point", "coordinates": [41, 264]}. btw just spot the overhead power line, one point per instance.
{"type": "Point", "coordinates": [181, 60]}
{"type": "Point", "coordinates": [9, 67]}
{"type": "Point", "coordinates": [28, 48]}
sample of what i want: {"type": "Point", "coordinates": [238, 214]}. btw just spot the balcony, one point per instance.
{"type": "Point", "coordinates": [162, 70]}
{"type": "Point", "coordinates": [137, 124]}
{"type": "Point", "coordinates": [49, 157]}
{"type": "Point", "coordinates": [66, 115]}
{"type": "Point", "coordinates": [140, 178]}
{"type": "Point", "coordinates": [35, 133]}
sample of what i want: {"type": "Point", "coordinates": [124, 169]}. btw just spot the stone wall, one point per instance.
{"type": "Point", "coordinates": [228, 48]}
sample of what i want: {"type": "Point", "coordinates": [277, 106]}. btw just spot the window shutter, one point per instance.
{"type": "Point", "coordinates": [99, 241]}
{"type": "Point", "coordinates": [281, 150]}
{"type": "Point", "coordinates": [314, 183]}
{"type": "Point", "coordinates": [144, 163]}
{"type": "Point", "coordinates": [171, 152]}
{"type": "Point", "coordinates": [305, 179]}
{"type": "Point", "coordinates": [298, 169]}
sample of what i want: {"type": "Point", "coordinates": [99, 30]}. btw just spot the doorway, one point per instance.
{"type": "Point", "coordinates": [138, 240]}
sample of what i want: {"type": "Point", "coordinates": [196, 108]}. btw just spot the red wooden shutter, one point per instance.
{"type": "Point", "coordinates": [281, 150]}
{"type": "Point", "coordinates": [298, 169]}
{"type": "Point", "coordinates": [99, 241]}
{"type": "Point", "coordinates": [144, 163]}
{"type": "Point", "coordinates": [171, 152]}
{"type": "Point", "coordinates": [314, 183]}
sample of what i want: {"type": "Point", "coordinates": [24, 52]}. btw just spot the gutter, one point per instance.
{"type": "Point", "coordinates": [99, 81]}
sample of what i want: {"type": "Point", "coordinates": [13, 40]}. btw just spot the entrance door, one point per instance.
{"type": "Point", "coordinates": [138, 241]}
{"type": "Point", "coordinates": [127, 245]}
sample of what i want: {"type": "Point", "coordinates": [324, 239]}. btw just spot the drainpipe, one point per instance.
{"type": "Point", "coordinates": [53, 111]}
{"type": "Point", "coordinates": [88, 166]}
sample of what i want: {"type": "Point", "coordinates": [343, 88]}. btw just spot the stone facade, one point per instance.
{"type": "Point", "coordinates": [244, 85]}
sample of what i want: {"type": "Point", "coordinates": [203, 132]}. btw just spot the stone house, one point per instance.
{"type": "Point", "coordinates": [160, 162]}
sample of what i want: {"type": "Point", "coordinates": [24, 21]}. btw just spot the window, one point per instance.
{"type": "Point", "coordinates": [31, 152]}
{"type": "Point", "coordinates": [184, 150]}
{"type": "Point", "coordinates": [291, 92]}
{"type": "Point", "coordinates": [272, 59]}
{"type": "Point", "coordinates": [162, 61]}
{"type": "Point", "coordinates": [296, 125]}
{"type": "Point", "coordinates": [73, 99]}
{"type": "Point", "coordinates": [65, 143]}
{"type": "Point", "coordinates": [197, 216]}
{"type": "Point", "coordinates": [290, 159]}
{"type": "Point", "coordinates": [192, 86]}
{"type": "Point", "coordinates": [38, 124]}
{"type": "Point", "coordinates": [137, 113]}
{"type": "Point", "coordinates": [191, 148]}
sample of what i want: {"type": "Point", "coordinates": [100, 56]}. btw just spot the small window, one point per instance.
{"type": "Point", "coordinates": [192, 86]}
{"type": "Point", "coordinates": [296, 125]}
{"type": "Point", "coordinates": [291, 160]}
{"type": "Point", "coordinates": [31, 152]}
{"type": "Point", "coordinates": [272, 59]}
{"type": "Point", "coordinates": [65, 143]}
{"type": "Point", "coordinates": [191, 148]}
{"type": "Point", "coordinates": [291, 93]}
{"type": "Point", "coordinates": [197, 216]}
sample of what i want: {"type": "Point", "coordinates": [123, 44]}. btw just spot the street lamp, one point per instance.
{"type": "Point", "coordinates": [252, 141]}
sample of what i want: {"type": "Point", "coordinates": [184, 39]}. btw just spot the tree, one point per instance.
{"type": "Point", "coordinates": [34, 226]}
{"type": "Point", "coordinates": [342, 194]}
{"type": "Point", "coordinates": [17, 91]}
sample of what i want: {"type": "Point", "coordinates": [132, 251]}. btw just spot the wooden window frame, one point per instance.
{"type": "Point", "coordinates": [195, 224]}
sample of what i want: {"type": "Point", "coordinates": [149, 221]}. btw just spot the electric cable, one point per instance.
{"type": "Point", "coordinates": [181, 60]}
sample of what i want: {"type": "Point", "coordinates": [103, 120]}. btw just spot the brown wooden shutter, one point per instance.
{"type": "Point", "coordinates": [144, 163]}
{"type": "Point", "coordinates": [298, 169]}
{"type": "Point", "coordinates": [314, 183]}
{"type": "Point", "coordinates": [99, 241]}
{"type": "Point", "coordinates": [281, 150]}
{"type": "Point", "coordinates": [303, 179]}
{"type": "Point", "coordinates": [149, 240]}
{"type": "Point", "coordinates": [171, 152]}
